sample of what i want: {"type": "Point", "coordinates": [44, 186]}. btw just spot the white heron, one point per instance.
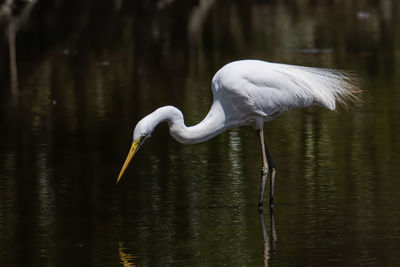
{"type": "Point", "coordinates": [249, 93]}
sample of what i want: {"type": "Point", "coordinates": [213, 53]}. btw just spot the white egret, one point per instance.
{"type": "Point", "coordinates": [249, 93]}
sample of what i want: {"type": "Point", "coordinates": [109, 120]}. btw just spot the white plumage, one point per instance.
{"type": "Point", "coordinates": [269, 89]}
{"type": "Point", "coordinates": [251, 92]}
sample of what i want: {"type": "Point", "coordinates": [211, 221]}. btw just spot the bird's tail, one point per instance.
{"type": "Point", "coordinates": [343, 86]}
{"type": "Point", "coordinates": [328, 86]}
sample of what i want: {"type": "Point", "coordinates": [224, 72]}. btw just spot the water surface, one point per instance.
{"type": "Point", "coordinates": [87, 72]}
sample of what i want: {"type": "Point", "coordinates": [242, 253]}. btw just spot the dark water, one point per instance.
{"type": "Point", "coordinates": [86, 71]}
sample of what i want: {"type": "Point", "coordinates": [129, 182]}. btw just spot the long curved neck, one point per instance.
{"type": "Point", "coordinates": [210, 126]}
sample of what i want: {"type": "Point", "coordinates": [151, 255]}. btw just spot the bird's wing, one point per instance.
{"type": "Point", "coordinates": [268, 89]}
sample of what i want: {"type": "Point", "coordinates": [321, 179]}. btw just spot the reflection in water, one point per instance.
{"type": "Point", "coordinates": [100, 107]}
{"type": "Point", "coordinates": [269, 244]}
{"type": "Point", "coordinates": [46, 201]}
{"type": "Point", "coordinates": [235, 169]}
{"type": "Point", "coordinates": [309, 161]}
{"type": "Point", "coordinates": [127, 259]}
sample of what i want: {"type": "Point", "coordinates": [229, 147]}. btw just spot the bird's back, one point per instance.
{"type": "Point", "coordinates": [259, 88]}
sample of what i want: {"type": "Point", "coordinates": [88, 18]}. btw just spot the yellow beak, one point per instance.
{"type": "Point", "coordinates": [132, 151]}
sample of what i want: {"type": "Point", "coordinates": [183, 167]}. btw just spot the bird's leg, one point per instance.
{"type": "Point", "coordinates": [264, 170]}
{"type": "Point", "coordinates": [271, 166]}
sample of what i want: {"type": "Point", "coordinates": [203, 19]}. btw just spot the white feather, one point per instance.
{"type": "Point", "coordinates": [273, 87]}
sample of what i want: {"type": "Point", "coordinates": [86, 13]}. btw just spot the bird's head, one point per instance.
{"type": "Point", "coordinates": [145, 128]}
{"type": "Point", "coordinates": [142, 131]}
